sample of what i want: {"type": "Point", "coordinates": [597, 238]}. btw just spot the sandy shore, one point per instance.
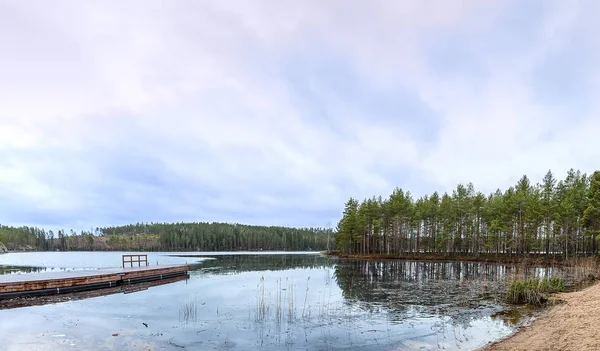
{"type": "Point", "coordinates": [572, 325]}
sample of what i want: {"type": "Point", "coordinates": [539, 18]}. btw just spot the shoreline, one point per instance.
{"type": "Point", "coordinates": [571, 323]}
{"type": "Point", "coordinates": [483, 258]}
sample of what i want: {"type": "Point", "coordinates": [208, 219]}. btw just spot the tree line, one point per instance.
{"type": "Point", "coordinates": [201, 236]}
{"type": "Point", "coordinates": [551, 217]}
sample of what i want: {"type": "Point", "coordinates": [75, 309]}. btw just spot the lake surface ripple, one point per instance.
{"type": "Point", "coordinates": [250, 301]}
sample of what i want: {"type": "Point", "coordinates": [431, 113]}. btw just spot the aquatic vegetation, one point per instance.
{"type": "Point", "coordinates": [188, 311]}
{"type": "Point", "coordinates": [583, 269]}
{"type": "Point", "coordinates": [262, 305]}
{"type": "Point", "coordinates": [291, 302]}
{"type": "Point", "coordinates": [305, 297]}
{"type": "Point", "coordinates": [279, 304]}
{"type": "Point", "coordinates": [533, 291]}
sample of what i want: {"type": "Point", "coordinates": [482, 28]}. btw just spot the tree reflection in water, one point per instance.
{"type": "Point", "coordinates": [21, 269]}
{"type": "Point", "coordinates": [459, 290]}
{"type": "Point", "coordinates": [290, 302]}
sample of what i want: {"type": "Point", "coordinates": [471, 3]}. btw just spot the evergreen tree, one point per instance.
{"type": "Point", "coordinates": [547, 218]}
{"type": "Point", "coordinates": [591, 215]}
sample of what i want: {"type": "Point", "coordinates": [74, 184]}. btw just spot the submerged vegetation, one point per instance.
{"type": "Point", "coordinates": [549, 218]}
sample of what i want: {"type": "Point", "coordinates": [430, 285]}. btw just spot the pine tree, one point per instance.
{"type": "Point", "coordinates": [591, 215]}
{"type": "Point", "coordinates": [550, 217]}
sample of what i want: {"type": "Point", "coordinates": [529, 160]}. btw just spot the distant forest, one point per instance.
{"type": "Point", "coordinates": [169, 237]}
{"type": "Point", "coordinates": [551, 217]}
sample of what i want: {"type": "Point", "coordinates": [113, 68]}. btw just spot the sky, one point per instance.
{"type": "Point", "coordinates": [275, 112]}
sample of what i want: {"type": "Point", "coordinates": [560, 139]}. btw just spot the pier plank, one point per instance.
{"type": "Point", "coordinates": [10, 283]}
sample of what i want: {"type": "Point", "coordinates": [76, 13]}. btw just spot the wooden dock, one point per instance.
{"type": "Point", "coordinates": [74, 296]}
{"type": "Point", "coordinates": [37, 284]}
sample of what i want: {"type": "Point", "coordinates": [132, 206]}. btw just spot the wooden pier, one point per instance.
{"type": "Point", "coordinates": [50, 283]}
{"type": "Point", "coordinates": [74, 296]}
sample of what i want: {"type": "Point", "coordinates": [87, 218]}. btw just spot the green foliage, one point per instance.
{"type": "Point", "coordinates": [170, 237]}
{"type": "Point", "coordinates": [546, 218]}
{"type": "Point", "coordinates": [533, 291]}
{"type": "Point", "coordinates": [348, 226]}
{"type": "Point", "coordinates": [591, 215]}
{"type": "Point", "coordinates": [222, 236]}
{"type": "Point", "coordinates": [23, 237]}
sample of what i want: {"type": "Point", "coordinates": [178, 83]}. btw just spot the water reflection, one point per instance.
{"type": "Point", "coordinates": [400, 283]}
{"type": "Point", "coordinates": [430, 284]}
{"type": "Point", "coordinates": [284, 302]}
{"type": "Point", "coordinates": [21, 269]}
{"type": "Point", "coordinates": [408, 304]}
{"type": "Point", "coordinates": [236, 264]}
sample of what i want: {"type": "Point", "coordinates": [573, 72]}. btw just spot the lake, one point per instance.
{"type": "Point", "coordinates": [268, 301]}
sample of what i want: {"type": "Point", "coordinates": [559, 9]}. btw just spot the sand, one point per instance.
{"type": "Point", "coordinates": [573, 324]}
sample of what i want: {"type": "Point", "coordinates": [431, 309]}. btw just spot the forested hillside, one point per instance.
{"type": "Point", "coordinates": [169, 237]}
{"type": "Point", "coordinates": [550, 217]}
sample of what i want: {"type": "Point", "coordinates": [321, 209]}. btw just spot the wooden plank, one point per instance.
{"type": "Point", "coordinates": [53, 280]}
{"type": "Point", "coordinates": [125, 289]}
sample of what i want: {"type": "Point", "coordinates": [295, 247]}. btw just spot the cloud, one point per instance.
{"type": "Point", "coordinates": [276, 113]}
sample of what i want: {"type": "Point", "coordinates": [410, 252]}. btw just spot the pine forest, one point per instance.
{"type": "Point", "coordinates": [550, 218]}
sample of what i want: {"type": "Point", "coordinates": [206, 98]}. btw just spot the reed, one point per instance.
{"type": "Point", "coordinates": [188, 312]}
{"type": "Point", "coordinates": [533, 291]}
{"type": "Point", "coordinates": [305, 298]}
{"type": "Point", "coordinates": [262, 305]}
{"type": "Point", "coordinates": [583, 269]}
{"type": "Point", "coordinates": [291, 303]}
{"type": "Point", "coordinates": [278, 305]}
{"type": "Point", "coordinates": [283, 304]}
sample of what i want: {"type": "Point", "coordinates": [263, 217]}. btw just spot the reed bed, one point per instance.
{"type": "Point", "coordinates": [533, 291]}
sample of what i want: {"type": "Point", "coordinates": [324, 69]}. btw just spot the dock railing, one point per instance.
{"type": "Point", "coordinates": [131, 259]}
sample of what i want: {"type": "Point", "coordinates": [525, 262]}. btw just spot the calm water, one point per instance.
{"type": "Point", "coordinates": [268, 302]}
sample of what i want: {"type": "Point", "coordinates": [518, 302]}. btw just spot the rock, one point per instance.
{"type": "Point", "coordinates": [3, 248]}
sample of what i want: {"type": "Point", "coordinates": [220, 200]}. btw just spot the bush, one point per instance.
{"type": "Point", "coordinates": [533, 291]}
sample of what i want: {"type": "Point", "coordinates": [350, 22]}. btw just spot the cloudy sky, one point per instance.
{"type": "Point", "coordinates": [276, 111]}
